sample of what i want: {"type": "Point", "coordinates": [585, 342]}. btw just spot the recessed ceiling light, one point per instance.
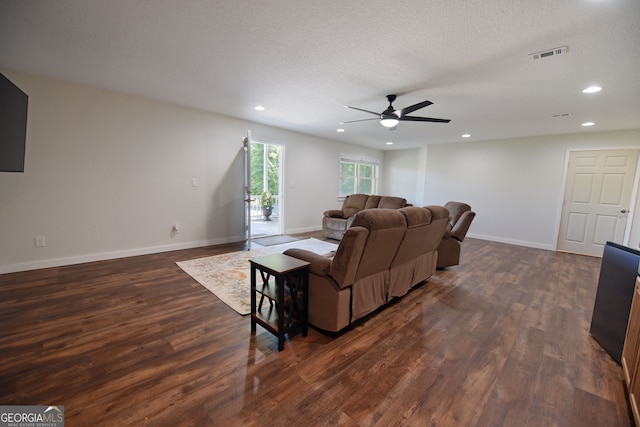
{"type": "Point", "coordinates": [259, 108]}
{"type": "Point", "coordinates": [340, 130]}
{"type": "Point", "coordinates": [588, 124]}
{"type": "Point", "coordinates": [592, 89]}
{"type": "Point", "coordinates": [466, 135]}
{"type": "Point", "coordinates": [389, 143]}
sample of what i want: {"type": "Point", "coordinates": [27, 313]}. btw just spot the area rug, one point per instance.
{"type": "Point", "coordinates": [228, 276]}
{"type": "Point", "coordinates": [274, 240]}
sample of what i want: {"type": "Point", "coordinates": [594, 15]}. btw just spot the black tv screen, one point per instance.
{"type": "Point", "coordinates": [13, 126]}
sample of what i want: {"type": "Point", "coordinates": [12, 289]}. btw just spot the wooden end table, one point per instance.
{"type": "Point", "coordinates": [284, 279]}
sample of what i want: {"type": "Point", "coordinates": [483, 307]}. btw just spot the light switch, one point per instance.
{"type": "Point", "coordinates": [194, 182]}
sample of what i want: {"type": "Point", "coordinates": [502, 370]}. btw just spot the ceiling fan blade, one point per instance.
{"type": "Point", "coordinates": [423, 119]}
{"type": "Point", "coordinates": [360, 109]}
{"type": "Point", "coordinates": [363, 120]}
{"type": "Point", "coordinates": [412, 108]}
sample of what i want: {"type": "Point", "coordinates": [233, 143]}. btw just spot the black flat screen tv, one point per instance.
{"type": "Point", "coordinates": [13, 126]}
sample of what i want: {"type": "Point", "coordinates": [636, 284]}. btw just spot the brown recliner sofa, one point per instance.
{"type": "Point", "coordinates": [336, 221]}
{"type": "Point", "coordinates": [381, 256]}
{"type": "Point", "coordinates": [459, 223]}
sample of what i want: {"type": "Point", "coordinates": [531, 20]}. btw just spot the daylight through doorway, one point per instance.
{"type": "Point", "coordinates": [266, 189]}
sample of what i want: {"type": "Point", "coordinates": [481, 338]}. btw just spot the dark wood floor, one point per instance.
{"type": "Point", "coordinates": [500, 340]}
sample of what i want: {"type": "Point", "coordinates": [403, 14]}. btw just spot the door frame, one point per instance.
{"type": "Point", "coordinates": [633, 202]}
{"type": "Point", "coordinates": [247, 199]}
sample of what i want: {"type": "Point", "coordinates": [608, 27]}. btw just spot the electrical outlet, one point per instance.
{"type": "Point", "coordinates": [40, 242]}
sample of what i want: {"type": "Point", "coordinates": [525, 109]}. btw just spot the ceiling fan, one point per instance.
{"type": "Point", "coordinates": [390, 117]}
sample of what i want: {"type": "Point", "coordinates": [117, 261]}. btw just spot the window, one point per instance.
{"type": "Point", "coordinates": [357, 175]}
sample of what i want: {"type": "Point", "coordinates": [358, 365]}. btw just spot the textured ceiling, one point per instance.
{"type": "Point", "coordinates": [303, 60]}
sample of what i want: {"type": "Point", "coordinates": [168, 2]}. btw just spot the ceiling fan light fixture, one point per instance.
{"type": "Point", "coordinates": [592, 89]}
{"type": "Point", "coordinates": [389, 122]}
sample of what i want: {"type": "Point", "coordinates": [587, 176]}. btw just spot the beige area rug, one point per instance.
{"type": "Point", "coordinates": [228, 276]}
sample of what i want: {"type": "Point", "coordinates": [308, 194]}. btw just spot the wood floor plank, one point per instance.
{"type": "Point", "coordinates": [501, 339]}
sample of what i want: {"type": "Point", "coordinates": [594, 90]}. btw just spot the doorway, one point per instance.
{"type": "Point", "coordinates": [267, 207]}
{"type": "Point", "coordinates": [597, 199]}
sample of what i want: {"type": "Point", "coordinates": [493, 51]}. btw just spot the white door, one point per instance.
{"type": "Point", "coordinates": [597, 200]}
{"type": "Point", "coordinates": [246, 143]}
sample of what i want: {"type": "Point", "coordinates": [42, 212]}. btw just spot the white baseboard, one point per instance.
{"type": "Point", "coordinates": [536, 245]}
{"type": "Point", "coordinates": [58, 262]}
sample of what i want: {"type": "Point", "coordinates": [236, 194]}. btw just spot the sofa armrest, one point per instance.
{"type": "Point", "coordinates": [461, 227]}
{"type": "Point", "coordinates": [320, 264]}
{"type": "Point", "coordinates": [447, 234]}
{"type": "Point", "coordinates": [333, 213]}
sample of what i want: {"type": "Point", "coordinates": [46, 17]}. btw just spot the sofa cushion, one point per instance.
{"type": "Point", "coordinates": [372, 202]}
{"type": "Point", "coordinates": [439, 214]}
{"type": "Point", "coordinates": [386, 229]}
{"type": "Point", "coordinates": [418, 222]}
{"type": "Point", "coordinates": [415, 216]}
{"type": "Point", "coordinates": [456, 209]}
{"type": "Point", "coordinates": [353, 204]}
{"type": "Point", "coordinates": [390, 202]}
{"type": "Point", "coordinates": [346, 261]}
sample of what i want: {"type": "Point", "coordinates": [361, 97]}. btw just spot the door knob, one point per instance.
{"type": "Point", "coordinates": [624, 211]}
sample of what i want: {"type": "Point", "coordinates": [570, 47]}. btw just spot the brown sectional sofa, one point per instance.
{"type": "Point", "coordinates": [382, 255]}
{"type": "Point", "coordinates": [336, 221]}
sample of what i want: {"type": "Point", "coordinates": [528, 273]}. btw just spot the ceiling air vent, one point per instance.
{"type": "Point", "coordinates": [551, 52]}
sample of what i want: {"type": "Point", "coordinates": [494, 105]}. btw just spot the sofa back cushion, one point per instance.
{"type": "Point", "coordinates": [413, 244]}
{"type": "Point", "coordinates": [437, 228]}
{"type": "Point", "coordinates": [372, 202]}
{"type": "Point", "coordinates": [386, 229]}
{"type": "Point", "coordinates": [390, 202]}
{"type": "Point", "coordinates": [353, 204]}
{"type": "Point", "coordinates": [456, 209]}
{"type": "Point", "coordinates": [346, 261]}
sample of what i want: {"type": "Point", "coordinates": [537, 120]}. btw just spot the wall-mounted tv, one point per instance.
{"type": "Point", "coordinates": [13, 126]}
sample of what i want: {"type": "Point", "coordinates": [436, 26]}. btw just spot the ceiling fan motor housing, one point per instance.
{"type": "Point", "coordinates": [390, 112]}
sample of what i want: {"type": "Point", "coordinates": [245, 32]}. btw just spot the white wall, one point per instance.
{"type": "Point", "coordinates": [514, 185]}
{"type": "Point", "coordinates": [400, 174]}
{"type": "Point", "coordinates": [108, 175]}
